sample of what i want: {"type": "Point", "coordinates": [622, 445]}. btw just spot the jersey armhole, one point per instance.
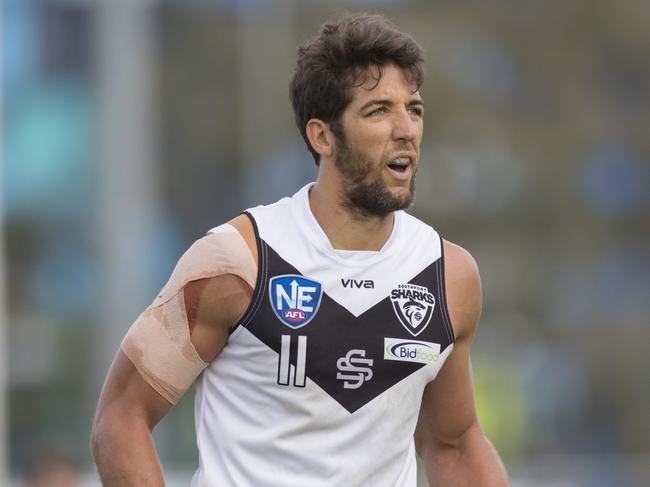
{"type": "Point", "coordinates": [258, 292]}
{"type": "Point", "coordinates": [442, 293]}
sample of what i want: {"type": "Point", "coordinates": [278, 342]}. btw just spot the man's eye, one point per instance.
{"type": "Point", "coordinates": [416, 111]}
{"type": "Point", "coordinates": [377, 111]}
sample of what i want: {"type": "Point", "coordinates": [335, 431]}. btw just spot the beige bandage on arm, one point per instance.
{"type": "Point", "coordinates": [158, 343]}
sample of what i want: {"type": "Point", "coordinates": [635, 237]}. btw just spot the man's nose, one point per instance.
{"type": "Point", "coordinates": [406, 126]}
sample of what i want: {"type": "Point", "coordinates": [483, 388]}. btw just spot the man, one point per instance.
{"type": "Point", "coordinates": [327, 335]}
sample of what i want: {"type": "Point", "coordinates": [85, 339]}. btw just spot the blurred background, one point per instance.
{"type": "Point", "coordinates": [130, 128]}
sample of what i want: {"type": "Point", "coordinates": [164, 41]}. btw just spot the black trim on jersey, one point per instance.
{"type": "Point", "coordinates": [334, 332]}
{"type": "Point", "coordinates": [260, 282]}
{"type": "Point", "coordinates": [442, 292]}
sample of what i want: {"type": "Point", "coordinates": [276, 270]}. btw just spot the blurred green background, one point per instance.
{"type": "Point", "coordinates": [131, 128]}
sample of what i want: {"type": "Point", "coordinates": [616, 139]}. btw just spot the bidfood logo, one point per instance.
{"type": "Point", "coordinates": [411, 350]}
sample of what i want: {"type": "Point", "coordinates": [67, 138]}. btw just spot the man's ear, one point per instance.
{"type": "Point", "coordinates": [320, 137]}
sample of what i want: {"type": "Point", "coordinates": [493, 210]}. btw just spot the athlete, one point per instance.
{"type": "Point", "coordinates": [328, 334]}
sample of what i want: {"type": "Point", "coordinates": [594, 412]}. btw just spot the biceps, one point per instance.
{"type": "Point", "coordinates": [170, 344]}
{"type": "Point", "coordinates": [447, 409]}
{"type": "Point", "coordinates": [126, 395]}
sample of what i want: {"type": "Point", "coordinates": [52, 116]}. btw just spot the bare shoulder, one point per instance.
{"type": "Point", "coordinates": [245, 228]}
{"type": "Point", "coordinates": [460, 265]}
{"type": "Point", "coordinates": [463, 289]}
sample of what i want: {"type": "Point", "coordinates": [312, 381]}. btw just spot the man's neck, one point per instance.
{"type": "Point", "coordinates": [345, 229]}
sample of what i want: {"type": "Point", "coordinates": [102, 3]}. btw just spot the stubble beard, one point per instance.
{"type": "Point", "coordinates": [363, 197]}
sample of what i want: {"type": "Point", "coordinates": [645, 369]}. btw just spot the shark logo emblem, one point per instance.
{"type": "Point", "coordinates": [413, 306]}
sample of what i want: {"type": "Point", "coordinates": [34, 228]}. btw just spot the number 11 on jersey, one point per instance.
{"type": "Point", "coordinates": [284, 362]}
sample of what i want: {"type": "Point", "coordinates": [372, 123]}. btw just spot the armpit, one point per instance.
{"type": "Point", "coordinates": [159, 343]}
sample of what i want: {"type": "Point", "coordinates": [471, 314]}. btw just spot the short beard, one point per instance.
{"type": "Point", "coordinates": [365, 198]}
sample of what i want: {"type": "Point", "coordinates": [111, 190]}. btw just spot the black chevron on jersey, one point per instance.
{"type": "Point", "coordinates": [270, 409]}
{"type": "Point", "coordinates": [334, 331]}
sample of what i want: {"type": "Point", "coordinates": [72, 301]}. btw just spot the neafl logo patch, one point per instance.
{"type": "Point", "coordinates": [413, 306]}
{"type": "Point", "coordinates": [294, 299]}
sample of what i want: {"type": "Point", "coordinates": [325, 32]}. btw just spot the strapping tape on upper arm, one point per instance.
{"type": "Point", "coordinates": [222, 251]}
{"type": "Point", "coordinates": [159, 343]}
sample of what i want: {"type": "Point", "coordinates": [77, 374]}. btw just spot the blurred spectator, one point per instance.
{"type": "Point", "coordinates": [50, 469]}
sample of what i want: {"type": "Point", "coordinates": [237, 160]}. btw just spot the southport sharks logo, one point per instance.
{"type": "Point", "coordinates": [413, 306]}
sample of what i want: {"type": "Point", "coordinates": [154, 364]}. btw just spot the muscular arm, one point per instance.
{"type": "Point", "coordinates": [448, 436]}
{"type": "Point", "coordinates": [130, 406]}
{"type": "Point", "coordinates": [127, 412]}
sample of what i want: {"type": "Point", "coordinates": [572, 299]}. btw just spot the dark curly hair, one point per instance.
{"type": "Point", "coordinates": [339, 58]}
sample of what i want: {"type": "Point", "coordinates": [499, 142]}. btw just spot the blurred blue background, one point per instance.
{"type": "Point", "coordinates": [131, 128]}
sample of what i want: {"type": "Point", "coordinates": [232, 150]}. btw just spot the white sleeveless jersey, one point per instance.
{"type": "Point", "coordinates": [321, 381]}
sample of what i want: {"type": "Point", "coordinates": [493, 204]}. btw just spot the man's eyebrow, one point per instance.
{"type": "Point", "coordinates": [389, 103]}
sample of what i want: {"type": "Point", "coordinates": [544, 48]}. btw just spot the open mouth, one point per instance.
{"type": "Point", "coordinates": [397, 167]}
{"type": "Point", "coordinates": [400, 165]}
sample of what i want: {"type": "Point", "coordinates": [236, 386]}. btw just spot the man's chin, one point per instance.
{"type": "Point", "coordinates": [404, 201]}
{"type": "Point", "coordinates": [403, 195]}
{"type": "Point", "coordinates": [377, 200]}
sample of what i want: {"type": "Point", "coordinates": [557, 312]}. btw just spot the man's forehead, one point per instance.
{"type": "Point", "coordinates": [386, 82]}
